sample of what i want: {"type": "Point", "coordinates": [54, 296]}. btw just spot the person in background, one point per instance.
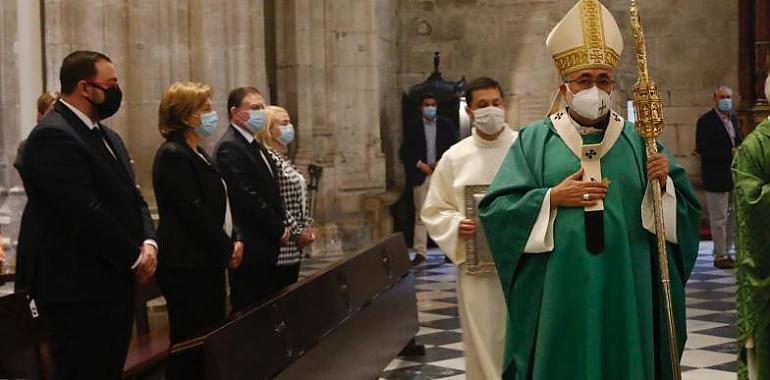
{"type": "Point", "coordinates": [45, 104]}
{"type": "Point", "coordinates": [716, 138]}
{"type": "Point", "coordinates": [425, 140]}
{"type": "Point", "coordinates": [196, 227]}
{"type": "Point", "coordinates": [251, 177]}
{"type": "Point", "coordinates": [278, 134]}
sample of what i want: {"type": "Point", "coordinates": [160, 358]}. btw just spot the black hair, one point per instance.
{"type": "Point", "coordinates": [482, 83]}
{"type": "Point", "coordinates": [236, 97]}
{"type": "Point", "coordinates": [77, 66]}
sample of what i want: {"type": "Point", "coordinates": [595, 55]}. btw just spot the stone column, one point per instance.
{"type": "Point", "coordinates": [21, 82]}
{"type": "Point", "coordinates": [336, 76]}
{"type": "Point", "coordinates": [153, 44]}
{"type": "Point", "coordinates": [754, 61]}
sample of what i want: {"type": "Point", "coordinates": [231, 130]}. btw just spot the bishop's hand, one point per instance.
{"type": "Point", "coordinates": [574, 192]}
{"type": "Point", "coordinates": [657, 167]}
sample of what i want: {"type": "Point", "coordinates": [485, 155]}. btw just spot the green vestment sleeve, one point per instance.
{"type": "Point", "coordinates": [751, 173]}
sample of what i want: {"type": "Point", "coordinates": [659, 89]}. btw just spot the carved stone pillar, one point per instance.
{"type": "Point", "coordinates": [153, 44]}
{"type": "Point", "coordinates": [754, 61]}
{"type": "Point", "coordinates": [336, 72]}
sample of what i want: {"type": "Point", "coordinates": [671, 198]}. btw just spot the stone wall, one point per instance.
{"type": "Point", "coordinates": [693, 45]}
{"type": "Point", "coordinates": [337, 75]}
{"type": "Point", "coordinates": [153, 44]}
{"type": "Point", "coordinates": [341, 66]}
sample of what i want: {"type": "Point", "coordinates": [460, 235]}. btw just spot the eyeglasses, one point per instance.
{"type": "Point", "coordinates": [585, 83]}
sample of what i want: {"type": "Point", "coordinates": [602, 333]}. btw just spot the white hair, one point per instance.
{"type": "Point", "coordinates": [723, 87]}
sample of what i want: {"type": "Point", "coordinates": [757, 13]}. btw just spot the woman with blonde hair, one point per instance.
{"type": "Point", "coordinates": [196, 234]}
{"type": "Point", "coordinates": [277, 135]}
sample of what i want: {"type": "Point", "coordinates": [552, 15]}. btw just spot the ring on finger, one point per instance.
{"type": "Point", "coordinates": [586, 197]}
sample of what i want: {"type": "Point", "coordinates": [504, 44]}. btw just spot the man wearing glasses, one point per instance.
{"type": "Point", "coordinates": [570, 225]}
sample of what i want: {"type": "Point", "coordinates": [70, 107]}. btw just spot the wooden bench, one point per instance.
{"type": "Point", "coordinates": [31, 359]}
{"type": "Point", "coordinates": [345, 322]}
{"type": "Point", "coordinates": [149, 349]}
{"type": "Point", "coordinates": [23, 347]}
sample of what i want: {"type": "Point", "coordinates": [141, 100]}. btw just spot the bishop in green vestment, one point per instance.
{"type": "Point", "coordinates": [751, 174]}
{"type": "Point", "coordinates": [569, 218]}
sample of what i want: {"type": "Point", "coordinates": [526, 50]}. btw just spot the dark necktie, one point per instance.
{"type": "Point", "coordinates": [100, 141]}
{"type": "Point", "coordinates": [265, 157]}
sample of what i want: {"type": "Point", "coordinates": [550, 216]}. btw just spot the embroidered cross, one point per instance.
{"type": "Point", "coordinates": [617, 118]}
{"type": "Point", "coordinates": [602, 107]}
{"type": "Point", "coordinates": [590, 154]}
{"type": "Point", "coordinates": [558, 115]}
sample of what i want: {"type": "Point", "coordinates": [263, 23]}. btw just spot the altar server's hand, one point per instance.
{"type": "Point", "coordinates": [657, 167]}
{"type": "Point", "coordinates": [572, 192]}
{"type": "Point", "coordinates": [425, 168]}
{"type": "Point", "coordinates": [468, 228]}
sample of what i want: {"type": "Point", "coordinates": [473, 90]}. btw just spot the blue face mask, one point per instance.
{"type": "Point", "coordinates": [725, 105]}
{"type": "Point", "coordinates": [287, 134]}
{"type": "Point", "coordinates": [429, 112]}
{"type": "Point", "coordinates": [208, 124]}
{"type": "Point", "coordinates": [256, 121]}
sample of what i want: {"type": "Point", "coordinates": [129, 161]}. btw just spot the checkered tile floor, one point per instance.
{"type": "Point", "coordinates": [710, 351]}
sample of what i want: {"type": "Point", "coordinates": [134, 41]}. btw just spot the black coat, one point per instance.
{"type": "Point", "coordinates": [191, 202]}
{"type": "Point", "coordinates": [85, 219]}
{"type": "Point", "coordinates": [715, 149]}
{"type": "Point", "coordinates": [256, 201]}
{"type": "Point", "coordinates": [414, 147]}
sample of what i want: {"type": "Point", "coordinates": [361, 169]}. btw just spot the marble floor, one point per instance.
{"type": "Point", "coordinates": [710, 350]}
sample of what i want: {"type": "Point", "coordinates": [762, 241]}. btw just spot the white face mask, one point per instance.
{"type": "Point", "coordinates": [592, 104]}
{"type": "Point", "coordinates": [489, 120]}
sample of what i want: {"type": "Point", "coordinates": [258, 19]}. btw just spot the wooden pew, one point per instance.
{"type": "Point", "coordinates": [28, 357]}
{"type": "Point", "coordinates": [23, 333]}
{"type": "Point", "coordinates": [347, 321]}
{"type": "Point", "coordinates": [149, 349]}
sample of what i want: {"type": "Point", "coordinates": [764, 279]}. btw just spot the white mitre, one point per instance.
{"type": "Point", "coordinates": [587, 37]}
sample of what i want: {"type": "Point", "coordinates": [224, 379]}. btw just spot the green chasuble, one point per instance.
{"type": "Point", "coordinates": [751, 174]}
{"type": "Point", "coordinates": [573, 314]}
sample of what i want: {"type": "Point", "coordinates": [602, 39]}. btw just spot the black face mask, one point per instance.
{"type": "Point", "coordinates": [112, 98]}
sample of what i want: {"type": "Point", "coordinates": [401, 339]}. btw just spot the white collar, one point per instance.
{"type": "Point", "coordinates": [506, 136]}
{"type": "Point", "coordinates": [589, 155]}
{"type": "Point", "coordinates": [82, 116]}
{"type": "Point", "coordinates": [568, 129]}
{"type": "Point", "coordinates": [246, 135]}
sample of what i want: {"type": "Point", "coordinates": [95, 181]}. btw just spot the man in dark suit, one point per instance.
{"type": "Point", "coordinates": [257, 206]}
{"type": "Point", "coordinates": [425, 141]}
{"type": "Point", "coordinates": [717, 137]}
{"type": "Point", "coordinates": [86, 235]}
